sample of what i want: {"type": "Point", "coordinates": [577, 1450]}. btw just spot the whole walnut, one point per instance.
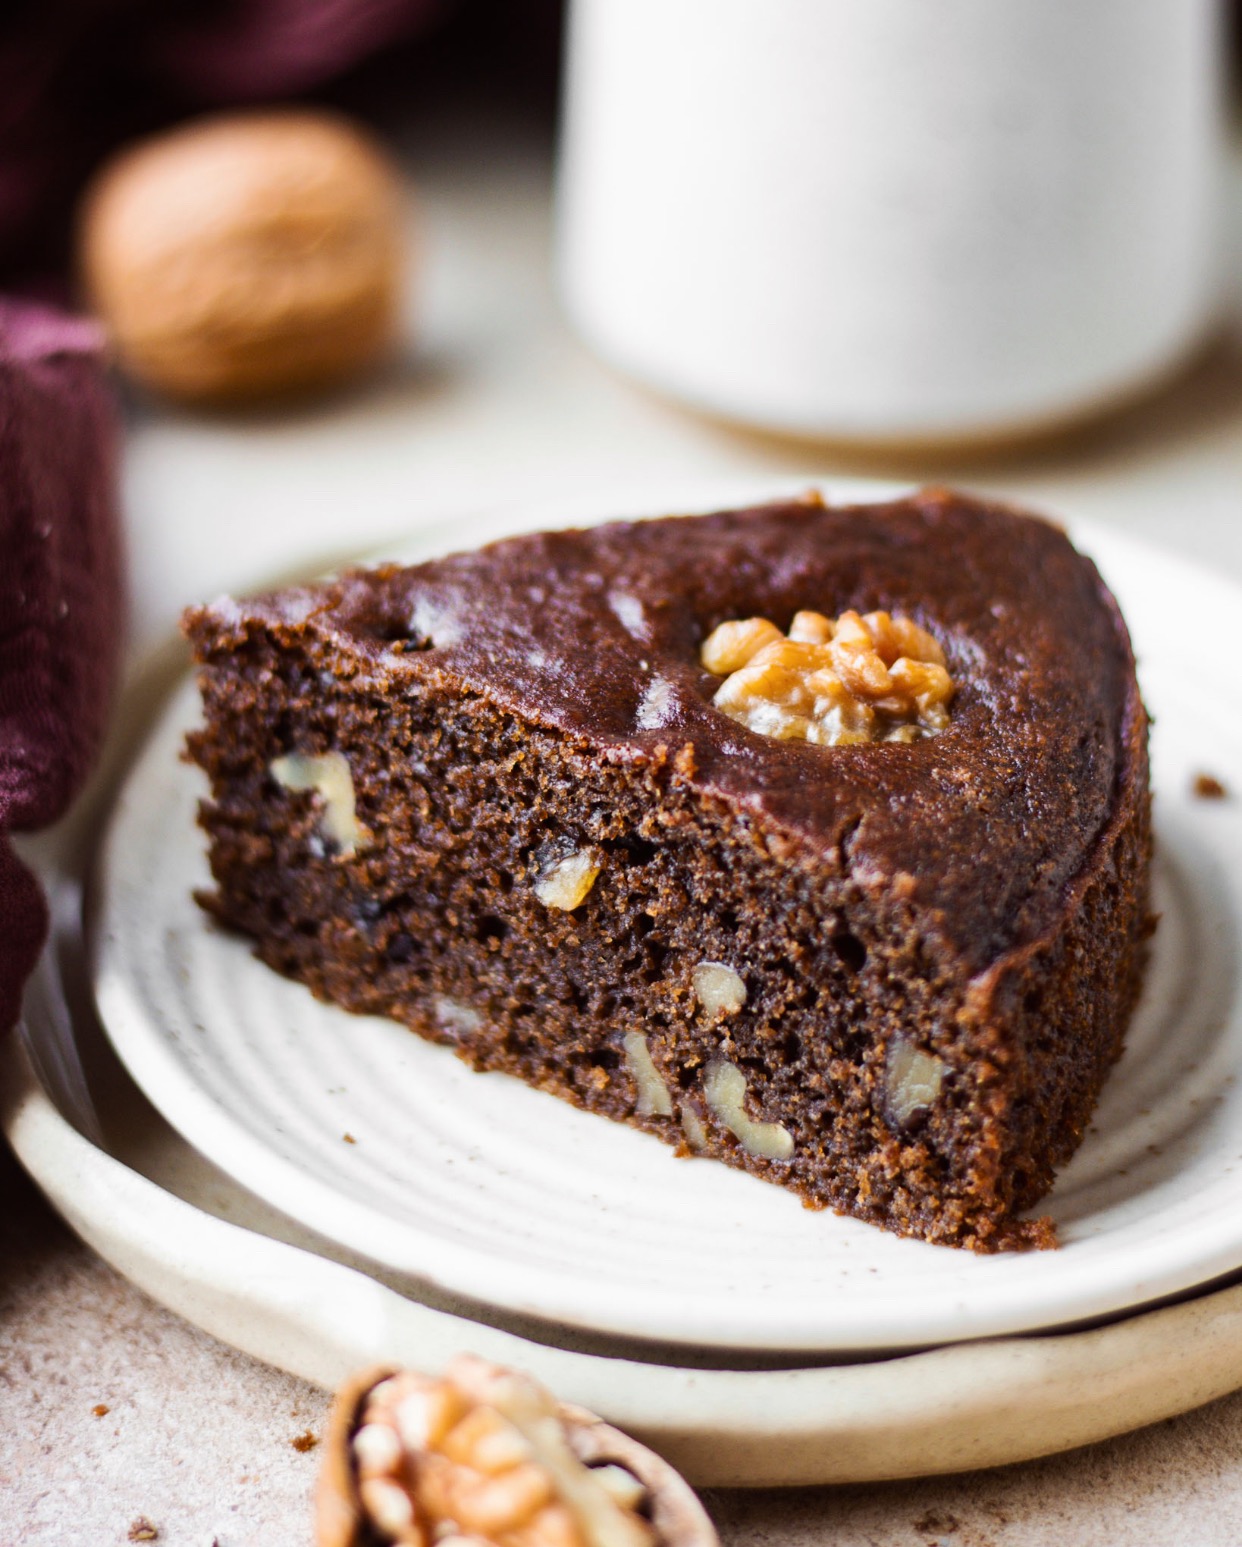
{"type": "Point", "coordinates": [247, 255]}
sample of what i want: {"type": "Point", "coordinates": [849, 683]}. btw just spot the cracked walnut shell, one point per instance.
{"type": "Point", "coordinates": [485, 1457]}
{"type": "Point", "coordinates": [246, 255]}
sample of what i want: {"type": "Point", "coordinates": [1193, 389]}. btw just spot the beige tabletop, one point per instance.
{"type": "Point", "coordinates": [117, 1418]}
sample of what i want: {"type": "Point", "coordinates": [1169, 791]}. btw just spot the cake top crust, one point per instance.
{"type": "Point", "coordinates": [596, 633]}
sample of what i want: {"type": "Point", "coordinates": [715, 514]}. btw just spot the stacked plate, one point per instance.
{"type": "Point", "coordinates": [324, 1189]}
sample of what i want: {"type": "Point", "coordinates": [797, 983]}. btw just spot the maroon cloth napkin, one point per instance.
{"type": "Point", "coordinates": [61, 607]}
{"type": "Point", "coordinates": [78, 77]}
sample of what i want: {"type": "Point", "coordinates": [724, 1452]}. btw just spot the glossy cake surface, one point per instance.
{"type": "Point", "coordinates": [491, 795]}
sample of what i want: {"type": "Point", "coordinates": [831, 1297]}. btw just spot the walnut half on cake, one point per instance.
{"type": "Point", "coordinates": [813, 839]}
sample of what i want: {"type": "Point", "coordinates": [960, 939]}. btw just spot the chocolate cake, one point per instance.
{"type": "Point", "coordinates": [812, 839]}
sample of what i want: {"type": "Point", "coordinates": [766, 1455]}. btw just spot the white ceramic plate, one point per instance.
{"type": "Point", "coordinates": [486, 1189]}
{"type": "Point", "coordinates": [197, 1243]}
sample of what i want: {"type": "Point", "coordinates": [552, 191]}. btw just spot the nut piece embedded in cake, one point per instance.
{"type": "Point", "coordinates": [653, 1097]}
{"type": "Point", "coordinates": [912, 1080]}
{"type": "Point", "coordinates": [455, 1016]}
{"type": "Point", "coordinates": [326, 775]}
{"type": "Point", "coordinates": [486, 1456]}
{"type": "Point", "coordinates": [724, 1090]}
{"type": "Point", "coordinates": [566, 883]}
{"type": "Point", "coordinates": [718, 988]}
{"type": "Point", "coordinates": [695, 1132]}
{"type": "Point", "coordinates": [831, 681]}
{"type": "Point", "coordinates": [735, 644]}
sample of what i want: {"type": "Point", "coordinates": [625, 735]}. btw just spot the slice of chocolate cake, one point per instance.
{"type": "Point", "coordinates": [812, 839]}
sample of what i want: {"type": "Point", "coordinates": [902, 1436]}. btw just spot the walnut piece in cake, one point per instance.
{"type": "Point", "coordinates": [328, 777]}
{"type": "Point", "coordinates": [856, 678]}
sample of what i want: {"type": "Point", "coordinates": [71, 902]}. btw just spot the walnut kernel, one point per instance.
{"type": "Point", "coordinates": [692, 1127]}
{"type": "Point", "coordinates": [653, 1097]}
{"type": "Point", "coordinates": [724, 1090]}
{"type": "Point", "coordinates": [566, 883]}
{"type": "Point", "coordinates": [327, 776]}
{"type": "Point", "coordinates": [455, 1017]}
{"type": "Point", "coordinates": [483, 1455]}
{"type": "Point", "coordinates": [624, 1487]}
{"type": "Point", "coordinates": [718, 988]}
{"type": "Point", "coordinates": [857, 678]}
{"type": "Point", "coordinates": [733, 645]}
{"type": "Point", "coordinates": [912, 1080]}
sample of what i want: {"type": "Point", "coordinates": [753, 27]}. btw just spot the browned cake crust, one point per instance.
{"type": "Point", "coordinates": [978, 897]}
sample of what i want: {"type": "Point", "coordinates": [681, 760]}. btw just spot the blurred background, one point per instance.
{"type": "Point", "coordinates": [795, 239]}
{"type": "Point", "coordinates": [1035, 218]}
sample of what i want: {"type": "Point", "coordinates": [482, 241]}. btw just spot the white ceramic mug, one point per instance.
{"type": "Point", "coordinates": [892, 219]}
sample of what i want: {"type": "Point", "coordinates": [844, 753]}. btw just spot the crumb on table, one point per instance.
{"type": "Point", "coordinates": [305, 1441]}
{"type": "Point", "coordinates": [1207, 787]}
